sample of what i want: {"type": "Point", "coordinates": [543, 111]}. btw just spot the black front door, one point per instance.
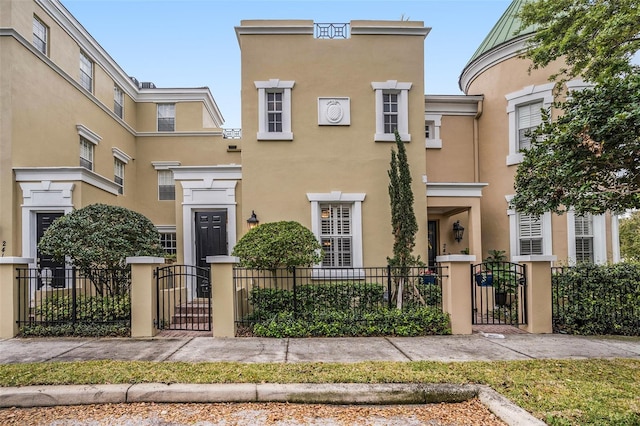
{"type": "Point", "coordinates": [51, 272]}
{"type": "Point", "coordinates": [433, 242]}
{"type": "Point", "coordinates": [211, 240]}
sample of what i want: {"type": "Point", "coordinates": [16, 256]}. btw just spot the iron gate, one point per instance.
{"type": "Point", "coordinates": [498, 293]}
{"type": "Point", "coordinates": [183, 298]}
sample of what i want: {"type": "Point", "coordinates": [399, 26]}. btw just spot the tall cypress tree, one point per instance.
{"type": "Point", "coordinates": [403, 218]}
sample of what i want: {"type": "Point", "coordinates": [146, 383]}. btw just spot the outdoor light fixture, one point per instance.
{"type": "Point", "coordinates": [253, 221]}
{"type": "Point", "coordinates": [458, 231]}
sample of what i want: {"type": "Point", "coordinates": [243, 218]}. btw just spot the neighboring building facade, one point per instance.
{"type": "Point", "coordinates": [319, 106]}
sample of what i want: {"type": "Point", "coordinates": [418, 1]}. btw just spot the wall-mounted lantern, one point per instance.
{"type": "Point", "coordinates": [458, 231]}
{"type": "Point", "coordinates": [253, 221]}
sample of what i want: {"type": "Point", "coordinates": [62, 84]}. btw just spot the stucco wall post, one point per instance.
{"type": "Point", "coordinates": [539, 310]}
{"type": "Point", "coordinates": [222, 293]}
{"type": "Point", "coordinates": [143, 295]}
{"type": "Point", "coordinates": [9, 294]}
{"type": "Point", "coordinates": [456, 291]}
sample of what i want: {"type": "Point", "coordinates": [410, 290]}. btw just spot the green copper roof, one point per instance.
{"type": "Point", "coordinates": [506, 29]}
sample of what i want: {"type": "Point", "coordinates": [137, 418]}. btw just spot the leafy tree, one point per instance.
{"type": "Point", "coordinates": [630, 237]}
{"type": "Point", "coordinates": [403, 218]}
{"type": "Point", "coordinates": [278, 244]}
{"type": "Point", "coordinates": [588, 158]}
{"type": "Point", "coordinates": [595, 38]}
{"type": "Point", "coordinates": [98, 238]}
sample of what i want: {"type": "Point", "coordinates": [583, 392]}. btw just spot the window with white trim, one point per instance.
{"type": "Point", "coordinates": [86, 153]}
{"type": "Point", "coordinates": [432, 124]}
{"type": "Point", "coordinates": [336, 221]}
{"type": "Point", "coordinates": [529, 118]}
{"type": "Point", "coordinates": [587, 238]}
{"type": "Point", "coordinates": [166, 117]}
{"type": "Point", "coordinates": [86, 72]}
{"type": "Point", "coordinates": [335, 235]}
{"type": "Point", "coordinates": [118, 101]}
{"type": "Point", "coordinates": [40, 35]}
{"type": "Point", "coordinates": [524, 113]}
{"type": "Point", "coordinates": [584, 238]}
{"type": "Point", "coordinates": [118, 174]}
{"type": "Point", "coordinates": [274, 109]}
{"type": "Point", "coordinates": [166, 185]}
{"type": "Point", "coordinates": [530, 235]}
{"type": "Point", "coordinates": [392, 110]}
{"type": "Point", "coordinates": [169, 242]}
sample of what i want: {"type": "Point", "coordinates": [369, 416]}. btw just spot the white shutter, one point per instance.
{"type": "Point", "coordinates": [529, 117]}
{"type": "Point", "coordinates": [530, 234]}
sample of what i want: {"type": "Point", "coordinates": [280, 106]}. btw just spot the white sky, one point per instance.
{"type": "Point", "coordinates": [192, 43]}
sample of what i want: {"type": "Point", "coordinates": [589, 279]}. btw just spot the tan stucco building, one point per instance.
{"type": "Point", "coordinates": [319, 107]}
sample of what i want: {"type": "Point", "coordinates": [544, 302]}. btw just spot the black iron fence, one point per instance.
{"type": "Point", "coordinates": [67, 301]}
{"type": "Point", "coordinates": [596, 299]}
{"type": "Point", "coordinates": [353, 293]}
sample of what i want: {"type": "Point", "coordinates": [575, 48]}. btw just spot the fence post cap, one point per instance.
{"type": "Point", "coordinates": [456, 258]}
{"type": "Point", "coordinates": [223, 259]}
{"type": "Point", "coordinates": [144, 259]}
{"type": "Point", "coordinates": [11, 260]}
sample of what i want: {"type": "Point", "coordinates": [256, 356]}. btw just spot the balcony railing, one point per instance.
{"type": "Point", "coordinates": [331, 31]}
{"type": "Point", "coordinates": [232, 133]}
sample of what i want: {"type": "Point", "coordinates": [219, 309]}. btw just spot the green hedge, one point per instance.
{"type": "Point", "coordinates": [597, 299]}
{"type": "Point", "coordinates": [342, 309]}
{"type": "Point", "coordinates": [95, 316]}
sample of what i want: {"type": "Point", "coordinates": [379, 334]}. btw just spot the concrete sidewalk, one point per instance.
{"type": "Point", "coordinates": [476, 347]}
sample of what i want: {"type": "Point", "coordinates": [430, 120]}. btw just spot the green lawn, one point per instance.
{"type": "Point", "coordinates": [557, 391]}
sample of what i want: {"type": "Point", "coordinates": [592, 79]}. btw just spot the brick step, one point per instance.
{"type": "Point", "coordinates": [192, 309]}
{"type": "Point", "coordinates": [190, 319]}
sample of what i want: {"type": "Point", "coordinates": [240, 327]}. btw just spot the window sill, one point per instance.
{"type": "Point", "coordinates": [513, 159]}
{"type": "Point", "coordinates": [391, 137]}
{"type": "Point", "coordinates": [275, 136]}
{"type": "Point", "coordinates": [433, 143]}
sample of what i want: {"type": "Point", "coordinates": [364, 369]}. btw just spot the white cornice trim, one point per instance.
{"type": "Point", "coordinates": [178, 134]}
{"type": "Point", "coordinates": [384, 30]}
{"type": "Point", "coordinates": [498, 54]}
{"type": "Point", "coordinates": [121, 155]}
{"type": "Point", "coordinates": [452, 104]}
{"type": "Point", "coordinates": [164, 165]}
{"type": "Point", "coordinates": [274, 30]}
{"type": "Point", "coordinates": [390, 85]}
{"type": "Point", "coordinates": [65, 174]}
{"type": "Point", "coordinates": [166, 228]}
{"type": "Point", "coordinates": [88, 134]}
{"type": "Point", "coordinates": [448, 189]}
{"type": "Point", "coordinates": [227, 172]}
{"type": "Point", "coordinates": [337, 196]}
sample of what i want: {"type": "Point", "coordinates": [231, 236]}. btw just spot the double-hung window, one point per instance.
{"type": "Point", "coordinates": [118, 101]}
{"type": "Point", "coordinates": [524, 115]}
{"type": "Point", "coordinates": [392, 110]}
{"type": "Point", "coordinates": [118, 172]}
{"type": "Point", "coordinates": [274, 109]}
{"type": "Point", "coordinates": [530, 235]}
{"type": "Point", "coordinates": [86, 154]}
{"type": "Point", "coordinates": [584, 238]}
{"type": "Point", "coordinates": [529, 117]}
{"type": "Point", "coordinates": [169, 242]}
{"type": "Point", "coordinates": [336, 235]}
{"type": "Point", "coordinates": [274, 112]}
{"type": "Point", "coordinates": [40, 35]}
{"type": "Point", "coordinates": [86, 72]}
{"type": "Point", "coordinates": [166, 117]}
{"type": "Point", "coordinates": [166, 185]}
